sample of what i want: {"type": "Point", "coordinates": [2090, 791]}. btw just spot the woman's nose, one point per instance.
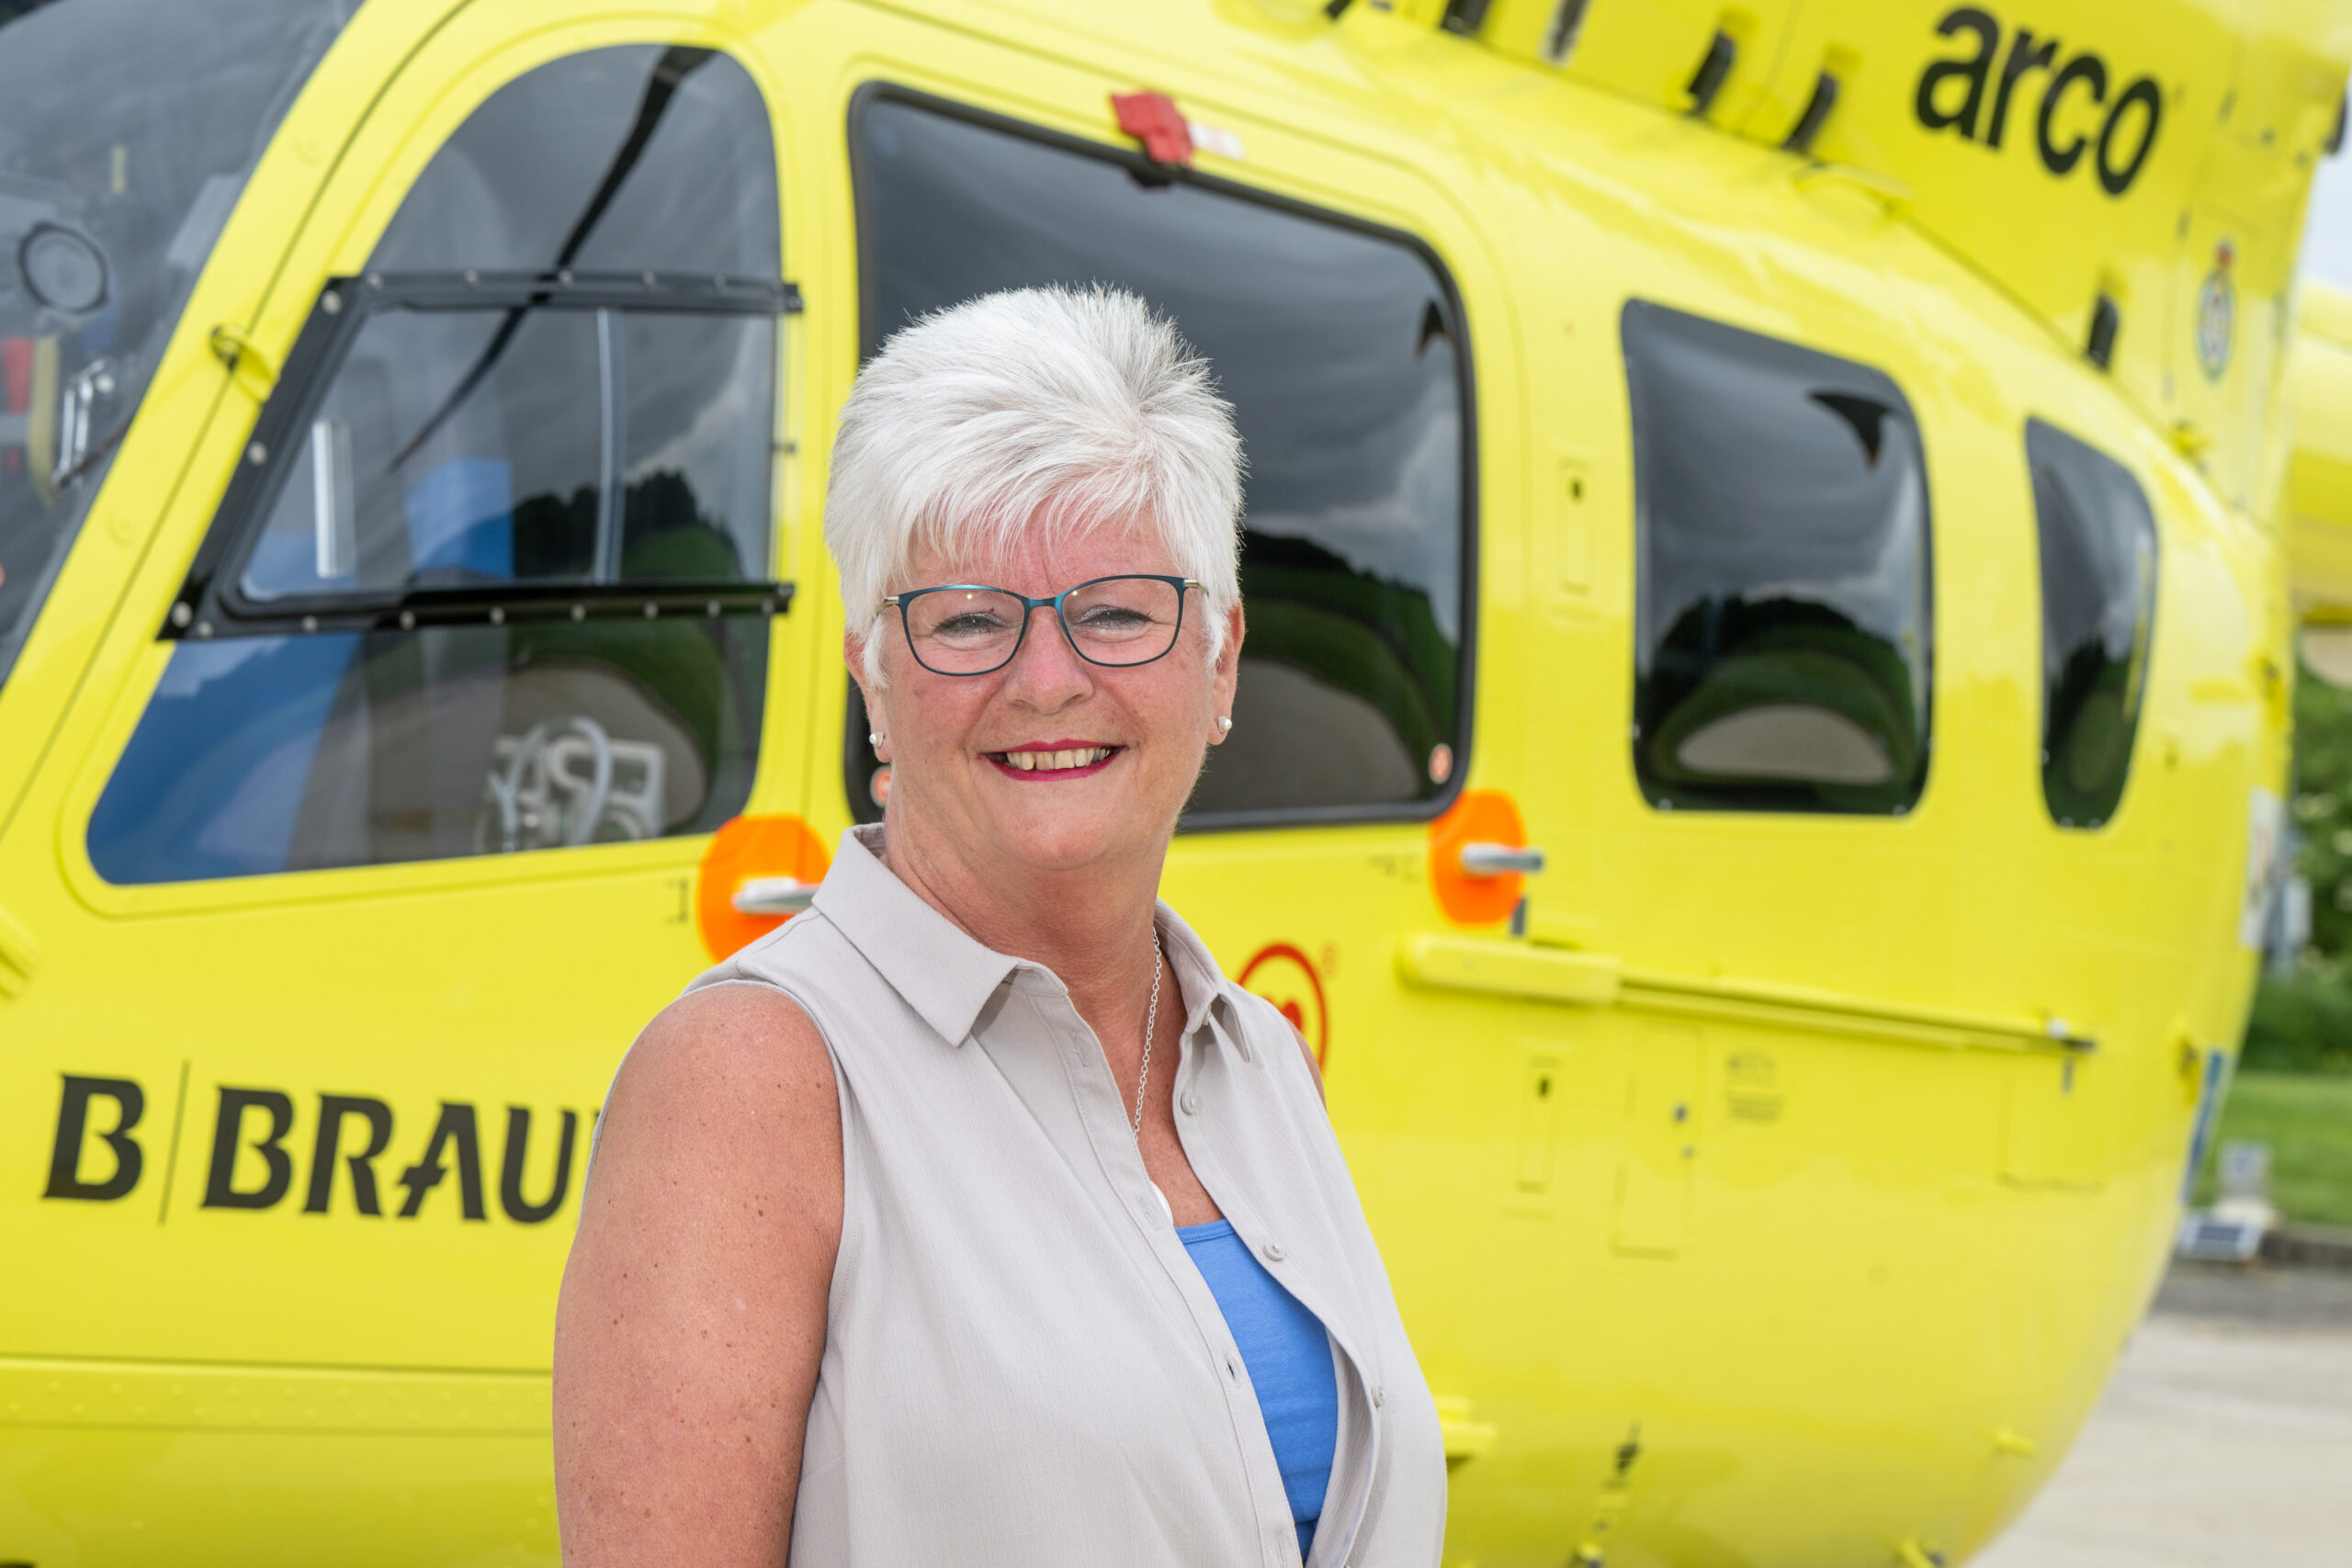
{"type": "Point", "coordinates": [1045, 670]}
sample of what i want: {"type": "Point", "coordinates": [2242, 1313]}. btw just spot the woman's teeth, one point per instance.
{"type": "Point", "coordinates": [1031, 761]}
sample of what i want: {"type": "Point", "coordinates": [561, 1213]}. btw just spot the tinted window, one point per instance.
{"type": "Point", "coordinates": [2098, 606]}
{"type": "Point", "coordinates": [127, 131]}
{"type": "Point", "coordinates": [1783, 621]}
{"type": "Point", "coordinates": [522, 528]}
{"type": "Point", "coordinates": [1340, 351]}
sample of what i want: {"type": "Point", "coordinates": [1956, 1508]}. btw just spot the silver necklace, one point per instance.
{"type": "Point", "coordinates": [1150, 1028]}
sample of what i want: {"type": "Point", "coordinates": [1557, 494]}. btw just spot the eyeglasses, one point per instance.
{"type": "Point", "coordinates": [962, 629]}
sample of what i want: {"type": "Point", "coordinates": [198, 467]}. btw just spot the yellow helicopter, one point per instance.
{"type": "Point", "coordinates": [1772, 558]}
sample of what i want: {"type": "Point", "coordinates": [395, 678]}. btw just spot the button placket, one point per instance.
{"type": "Point", "coordinates": [1273, 1506]}
{"type": "Point", "coordinates": [1082, 1064]}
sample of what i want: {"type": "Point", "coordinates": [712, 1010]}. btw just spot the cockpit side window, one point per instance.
{"type": "Point", "coordinates": [2098, 608]}
{"type": "Point", "coordinates": [127, 130]}
{"type": "Point", "coordinates": [496, 575]}
{"type": "Point", "coordinates": [1342, 350]}
{"type": "Point", "coordinates": [1784, 618]}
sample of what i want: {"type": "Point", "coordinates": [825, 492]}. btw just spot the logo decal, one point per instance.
{"type": "Point", "coordinates": [1287, 977]}
{"type": "Point", "coordinates": [256, 1148]}
{"type": "Point", "coordinates": [2078, 119]}
{"type": "Point", "coordinates": [2217, 314]}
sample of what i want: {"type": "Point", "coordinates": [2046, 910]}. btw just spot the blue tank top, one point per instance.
{"type": "Point", "coordinates": [1289, 1358]}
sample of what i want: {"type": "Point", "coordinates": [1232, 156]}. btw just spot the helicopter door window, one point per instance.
{"type": "Point", "coordinates": [1342, 350]}
{"type": "Point", "coordinates": [497, 579]}
{"type": "Point", "coordinates": [1784, 615]}
{"type": "Point", "coordinates": [2098, 606]}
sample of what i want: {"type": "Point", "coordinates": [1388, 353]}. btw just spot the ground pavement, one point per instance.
{"type": "Point", "coordinates": [2224, 1440]}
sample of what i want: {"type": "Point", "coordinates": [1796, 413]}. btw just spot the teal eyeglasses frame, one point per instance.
{"type": "Point", "coordinates": [1030, 606]}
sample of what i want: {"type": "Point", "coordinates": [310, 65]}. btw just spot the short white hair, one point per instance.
{"type": "Point", "coordinates": [1034, 409]}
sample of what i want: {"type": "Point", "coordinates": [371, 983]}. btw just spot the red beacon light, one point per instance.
{"type": "Point", "coordinates": [1154, 120]}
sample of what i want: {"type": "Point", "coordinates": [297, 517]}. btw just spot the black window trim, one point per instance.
{"type": "Point", "coordinates": [211, 604]}
{"type": "Point", "coordinates": [1144, 170]}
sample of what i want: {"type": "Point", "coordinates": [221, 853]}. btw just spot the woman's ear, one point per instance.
{"type": "Point", "coordinates": [1226, 675]}
{"type": "Point", "coordinates": [877, 723]}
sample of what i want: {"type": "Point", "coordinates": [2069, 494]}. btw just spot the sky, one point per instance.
{"type": "Point", "coordinates": [2328, 233]}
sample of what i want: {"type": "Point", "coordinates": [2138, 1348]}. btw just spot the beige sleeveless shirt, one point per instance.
{"type": "Point", "coordinates": [1023, 1368]}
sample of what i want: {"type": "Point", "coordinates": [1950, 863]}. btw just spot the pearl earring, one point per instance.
{"type": "Point", "coordinates": [873, 737]}
{"type": "Point", "coordinates": [1224, 725]}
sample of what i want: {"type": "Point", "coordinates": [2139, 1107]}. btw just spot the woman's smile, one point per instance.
{"type": "Point", "coordinates": [1035, 761]}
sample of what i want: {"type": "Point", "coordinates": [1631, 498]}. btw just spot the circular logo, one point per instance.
{"type": "Point", "coordinates": [2217, 311]}
{"type": "Point", "coordinates": [1287, 977]}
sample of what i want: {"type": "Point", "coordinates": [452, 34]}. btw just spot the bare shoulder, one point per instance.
{"type": "Point", "coordinates": [723, 1132]}
{"type": "Point", "coordinates": [726, 1057]}
{"type": "Point", "coordinates": [692, 1318]}
{"type": "Point", "coordinates": [721, 1140]}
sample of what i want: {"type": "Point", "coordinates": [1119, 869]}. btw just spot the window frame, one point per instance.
{"type": "Point", "coordinates": [211, 602]}
{"type": "Point", "coordinates": [1143, 169]}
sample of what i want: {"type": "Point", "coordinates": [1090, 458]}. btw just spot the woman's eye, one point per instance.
{"type": "Point", "coordinates": [1111, 618]}
{"type": "Point", "coordinates": [972, 624]}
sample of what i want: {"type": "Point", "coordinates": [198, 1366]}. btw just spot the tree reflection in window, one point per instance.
{"type": "Point", "coordinates": [1783, 617]}
{"type": "Point", "coordinates": [2098, 606]}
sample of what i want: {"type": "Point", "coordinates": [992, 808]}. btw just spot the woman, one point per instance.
{"type": "Point", "coordinates": [974, 1218]}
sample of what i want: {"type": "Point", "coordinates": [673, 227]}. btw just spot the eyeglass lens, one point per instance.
{"type": "Point", "coordinates": [1118, 621]}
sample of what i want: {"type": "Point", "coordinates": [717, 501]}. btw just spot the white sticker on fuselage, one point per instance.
{"type": "Point", "coordinates": [2266, 866]}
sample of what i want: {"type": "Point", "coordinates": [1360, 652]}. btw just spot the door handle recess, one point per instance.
{"type": "Point", "coordinates": [1501, 859]}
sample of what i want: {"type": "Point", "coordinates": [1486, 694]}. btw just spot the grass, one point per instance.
{"type": "Point", "coordinates": [2306, 1118]}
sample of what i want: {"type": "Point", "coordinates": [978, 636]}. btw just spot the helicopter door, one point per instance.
{"type": "Point", "coordinates": [388, 848]}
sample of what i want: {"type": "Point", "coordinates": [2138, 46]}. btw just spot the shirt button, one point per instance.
{"type": "Point", "coordinates": [1273, 1252]}
{"type": "Point", "coordinates": [1191, 1103]}
{"type": "Point", "coordinates": [1379, 1394]}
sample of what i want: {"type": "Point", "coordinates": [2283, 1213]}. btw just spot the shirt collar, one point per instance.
{"type": "Point", "coordinates": [945, 975]}
{"type": "Point", "coordinates": [1201, 981]}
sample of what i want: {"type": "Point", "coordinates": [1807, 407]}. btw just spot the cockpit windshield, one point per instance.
{"type": "Point", "coordinates": [127, 128]}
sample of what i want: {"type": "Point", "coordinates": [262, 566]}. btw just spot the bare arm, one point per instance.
{"type": "Point", "coordinates": [693, 1315]}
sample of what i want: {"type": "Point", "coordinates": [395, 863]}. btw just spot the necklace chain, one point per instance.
{"type": "Point", "coordinates": [1150, 1028]}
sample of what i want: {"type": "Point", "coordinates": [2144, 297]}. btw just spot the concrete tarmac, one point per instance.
{"type": "Point", "coordinates": [2224, 1441]}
